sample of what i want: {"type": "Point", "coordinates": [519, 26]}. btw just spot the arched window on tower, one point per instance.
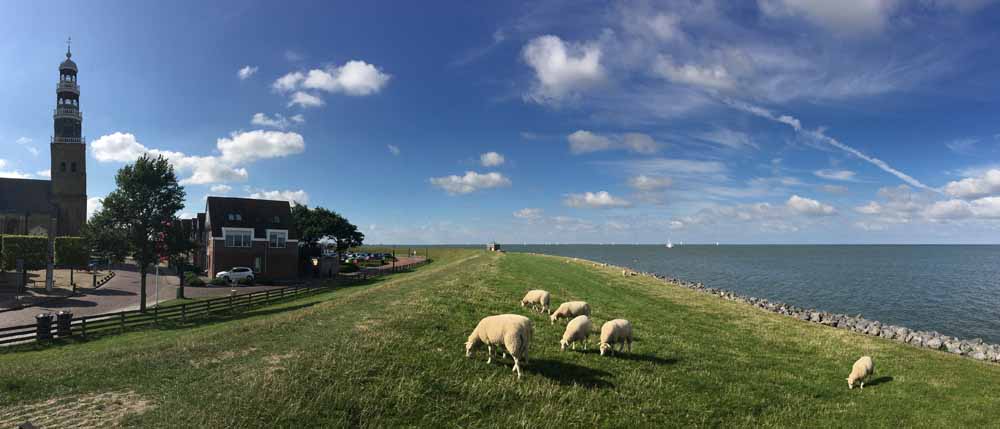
{"type": "Point", "coordinates": [72, 167]}
{"type": "Point", "coordinates": [62, 167]}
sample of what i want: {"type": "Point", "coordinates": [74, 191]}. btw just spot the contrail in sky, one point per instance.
{"type": "Point", "coordinates": [819, 135]}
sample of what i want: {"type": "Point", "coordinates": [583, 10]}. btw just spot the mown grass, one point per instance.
{"type": "Point", "coordinates": [391, 354]}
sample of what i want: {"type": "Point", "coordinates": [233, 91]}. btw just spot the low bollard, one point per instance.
{"type": "Point", "coordinates": [44, 326]}
{"type": "Point", "coordinates": [64, 321]}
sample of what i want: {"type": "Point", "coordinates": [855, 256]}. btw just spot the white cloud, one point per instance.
{"type": "Point", "coordinates": [583, 141]}
{"type": "Point", "coordinates": [353, 78]}
{"type": "Point", "coordinates": [238, 148]}
{"type": "Point", "coordinates": [221, 189]}
{"type": "Point", "coordinates": [649, 183]}
{"type": "Point", "coordinates": [596, 200]}
{"type": "Point", "coordinates": [975, 187]}
{"type": "Point", "coordinates": [288, 82]}
{"type": "Point", "coordinates": [393, 149]}
{"type": "Point", "coordinates": [27, 144]}
{"type": "Point", "coordinates": [293, 197]}
{"type": "Point", "coordinates": [528, 213]}
{"type": "Point", "coordinates": [820, 135]}
{"type": "Point", "coordinates": [44, 173]}
{"type": "Point", "coordinates": [962, 146]}
{"type": "Point", "coordinates": [94, 205]}
{"type": "Point", "coordinates": [253, 145]}
{"type": "Point", "coordinates": [842, 175]}
{"type": "Point", "coordinates": [293, 56]}
{"type": "Point", "coordinates": [728, 138]}
{"type": "Point", "coordinates": [305, 100]}
{"type": "Point", "coordinates": [246, 72]}
{"type": "Point", "coordinates": [671, 166]}
{"type": "Point", "coordinates": [809, 207]}
{"type": "Point", "coordinates": [713, 77]}
{"type": "Point", "coordinates": [872, 208]}
{"type": "Point", "coordinates": [848, 17]}
{"type": "Point", "coordinates": [11, 174]}
{"type": "Point", "coordinates": [491, 159]}
{"type": "Point", "coordinates": [561, 68]}
{"type": "Point", "coordinates": [470, 182]}
{"type": "Point", "coordinates": [949, 210]}
{"type": "Point", "coordinates": [279, 121]}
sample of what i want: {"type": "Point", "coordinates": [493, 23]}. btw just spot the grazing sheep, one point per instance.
{"type": "Point", "coordinates": [509, 332]}
{"type": "Point", "coordinates": [570, 309]}
{"type": "Point", "coordinates": [537, 297]}
{"type": "Point", "coordinates": [618, 331]}
{"type": "Point", "coordinates": [862, 370]}
{"type": "Point", "coordinates": [577, 330]}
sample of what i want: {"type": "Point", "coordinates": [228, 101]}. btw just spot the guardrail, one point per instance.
{"type": "Point", "coordinates": [49, 327]}
{"type": "Point", "coordinates": [370, 273]}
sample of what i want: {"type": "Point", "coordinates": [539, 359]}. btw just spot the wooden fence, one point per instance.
{"type": "Point", "coordinates": [109, 323]}
{"type": "Point", "coordinates": [101, 324]}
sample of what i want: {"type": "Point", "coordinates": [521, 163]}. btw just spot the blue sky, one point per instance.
{"type": "Point", "coordinates": [775, 121]}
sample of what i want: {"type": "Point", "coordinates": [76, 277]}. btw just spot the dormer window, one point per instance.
{"type": "Point", "coordinates": [277, 219]}
{"type": "Point", "coordinates": [234, 216]}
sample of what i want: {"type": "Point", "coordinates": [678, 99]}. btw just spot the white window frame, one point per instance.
{"type": "Point", "coordinates": [226, 231]}
{"type": "Point", "coordinates": [279, 231]}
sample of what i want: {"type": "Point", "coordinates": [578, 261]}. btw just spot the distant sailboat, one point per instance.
{"type": "Point", "coordinates": [670, 245]}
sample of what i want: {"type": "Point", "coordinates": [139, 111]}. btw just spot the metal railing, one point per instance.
{"type": "Point", "coordinates": [80, 140]}
{"type": "Point", "coordinates": [67, 113]}
{"type": "Point", "coordinates": [68, 86]}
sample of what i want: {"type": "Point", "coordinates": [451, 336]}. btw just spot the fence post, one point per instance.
{"type": "Point", "coordinates": [83, 326]}
{"type": "Point", "coordinates": [156, 315]}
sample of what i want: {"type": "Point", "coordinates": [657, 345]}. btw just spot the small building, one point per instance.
{"type": "Point", "coordinates": [245, 232]}
{"type": "Point", "coordinates": [493, 247]}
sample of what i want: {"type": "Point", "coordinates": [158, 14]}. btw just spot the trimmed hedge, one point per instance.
{"type": "Point", "coordinates": [71, 252]}
{"type": "Point", "coordinates": [31, 248]}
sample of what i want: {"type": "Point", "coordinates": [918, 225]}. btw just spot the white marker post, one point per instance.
{"type": "Point", "coordinates": [156, 282]}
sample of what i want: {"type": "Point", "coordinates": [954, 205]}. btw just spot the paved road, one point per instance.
{"type": "Point", "coordinates": [121, 293]}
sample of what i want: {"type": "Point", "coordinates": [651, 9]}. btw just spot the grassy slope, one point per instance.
{"type": "Point", "coordinates": [391, 354]}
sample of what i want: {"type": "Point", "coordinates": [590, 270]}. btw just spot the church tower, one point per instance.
{"type": "Point", "coordinates": [69, 153]}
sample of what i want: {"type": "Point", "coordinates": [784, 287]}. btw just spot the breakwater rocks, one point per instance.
{"type": "Point", "coordinates": [975, 348]}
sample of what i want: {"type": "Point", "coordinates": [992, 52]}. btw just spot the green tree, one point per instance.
{"type": "Point", "coordinates": [319, 223]}
{"type": "Point", "coordinates": [104, 238]}
{"type": "Point", "coordinates": [143, 206]}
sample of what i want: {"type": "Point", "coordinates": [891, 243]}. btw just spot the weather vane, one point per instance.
{"type": "Point", "coordinates": [69, 41]}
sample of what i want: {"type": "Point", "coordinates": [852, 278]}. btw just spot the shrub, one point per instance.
{"type": "Point", "coordinates": [349, 267]}
{"type": "Point", "coordinates": [192, 279]}
{"type": "Point", "coordinates": [218, 281]}
{"type": "Point", "coordinates": [71, 252]}
{"type": "Point", "coordinates": [31, 248]}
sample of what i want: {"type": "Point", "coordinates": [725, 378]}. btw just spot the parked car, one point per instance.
{"type": "Point", "coordinates": [236, 274]}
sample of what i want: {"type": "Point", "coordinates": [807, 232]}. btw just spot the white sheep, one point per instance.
{"type": "Point", "coordinates": [570, 309]}
{"type": "Point", "coordinates": [577, 330]}
{"type": "Point", "coordinates": [510, 332]}
{"type": "Point", "coordinates": [862, 370]}
{"type": "Point", "coordinates": [618, 331]}
{"type": "Point", "coordinates": [535, 298]}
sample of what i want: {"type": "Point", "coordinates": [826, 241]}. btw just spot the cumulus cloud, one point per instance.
{"type": "Point", "coordinates": [221, 189]}
{"type": "Point", "coordinates": [583, 141]}
{"type": "Point", "coordinates": [94, 205]}
{"type": "Point", "coordinates": [595, 200]}
{"type": "Point", "coordinates": [278, 121]}
{"type": "Point", "coordinates": [246, 72]}
{"type": "Point", "coordinates": [305, 100]}
{"type": "Point", "coordinates": [809, 207]}
{"type": "Point", "coordinates": [44, 173]}
{"type": "Point", "coordinates": [872, 208]}
{"type": "Point", "coordinates": [528, 213]}
{"type": "Point", "coordinates": [28, 145]}
{"type": "Point", "coordinates": [649, 183]}
{"type": "Point", "coordinates": [491, 159]}
{"type": "Point", "coordinates": [834, 189]}
{"type": "Point", "coordinates": [14, 174]}
{"type": "Point", "coordinates": [561, 68]}
{"type": "Point", "coordinates": [975, 187]}
{"type": "Point", "coordinates": [238, 148]}
{"type": "Point", "coordinates": [393, 149]}
{"type": "Point", "coordinates": [293, 197]}
{"type": "Point", "coordinates": [847, 17]}
{"type": "Point", "coordinates": [354, 78]}
{"type": "Point", "coordinates": [470, 182]}
{"type": "Point", "coordinates": [829, 174]}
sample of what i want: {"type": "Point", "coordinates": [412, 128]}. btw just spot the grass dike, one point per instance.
{"type": "Point", "coordinates": [390, 353]}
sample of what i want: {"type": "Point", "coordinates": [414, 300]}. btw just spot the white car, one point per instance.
{"type": "Point", "coordinates": [236, 274]}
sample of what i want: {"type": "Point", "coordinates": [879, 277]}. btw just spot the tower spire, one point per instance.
{"type": "Point", "coordinates": [68, 42]}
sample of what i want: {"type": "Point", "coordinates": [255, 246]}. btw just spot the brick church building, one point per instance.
{"type": "Point", "coordinates": [33, 207]}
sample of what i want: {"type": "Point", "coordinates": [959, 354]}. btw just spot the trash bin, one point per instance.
{"type": "Point", "coordinates": [44, 324]}
{"type": "Point", "coordinates": [64, 321]}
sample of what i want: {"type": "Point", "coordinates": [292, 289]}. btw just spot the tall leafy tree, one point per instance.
{"type": "Point", "coordinates": [143, 208]}
{"type": "Point", "coordinates": [104, 239]}
{"type": "Point", "coordinates": [320, 223]}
